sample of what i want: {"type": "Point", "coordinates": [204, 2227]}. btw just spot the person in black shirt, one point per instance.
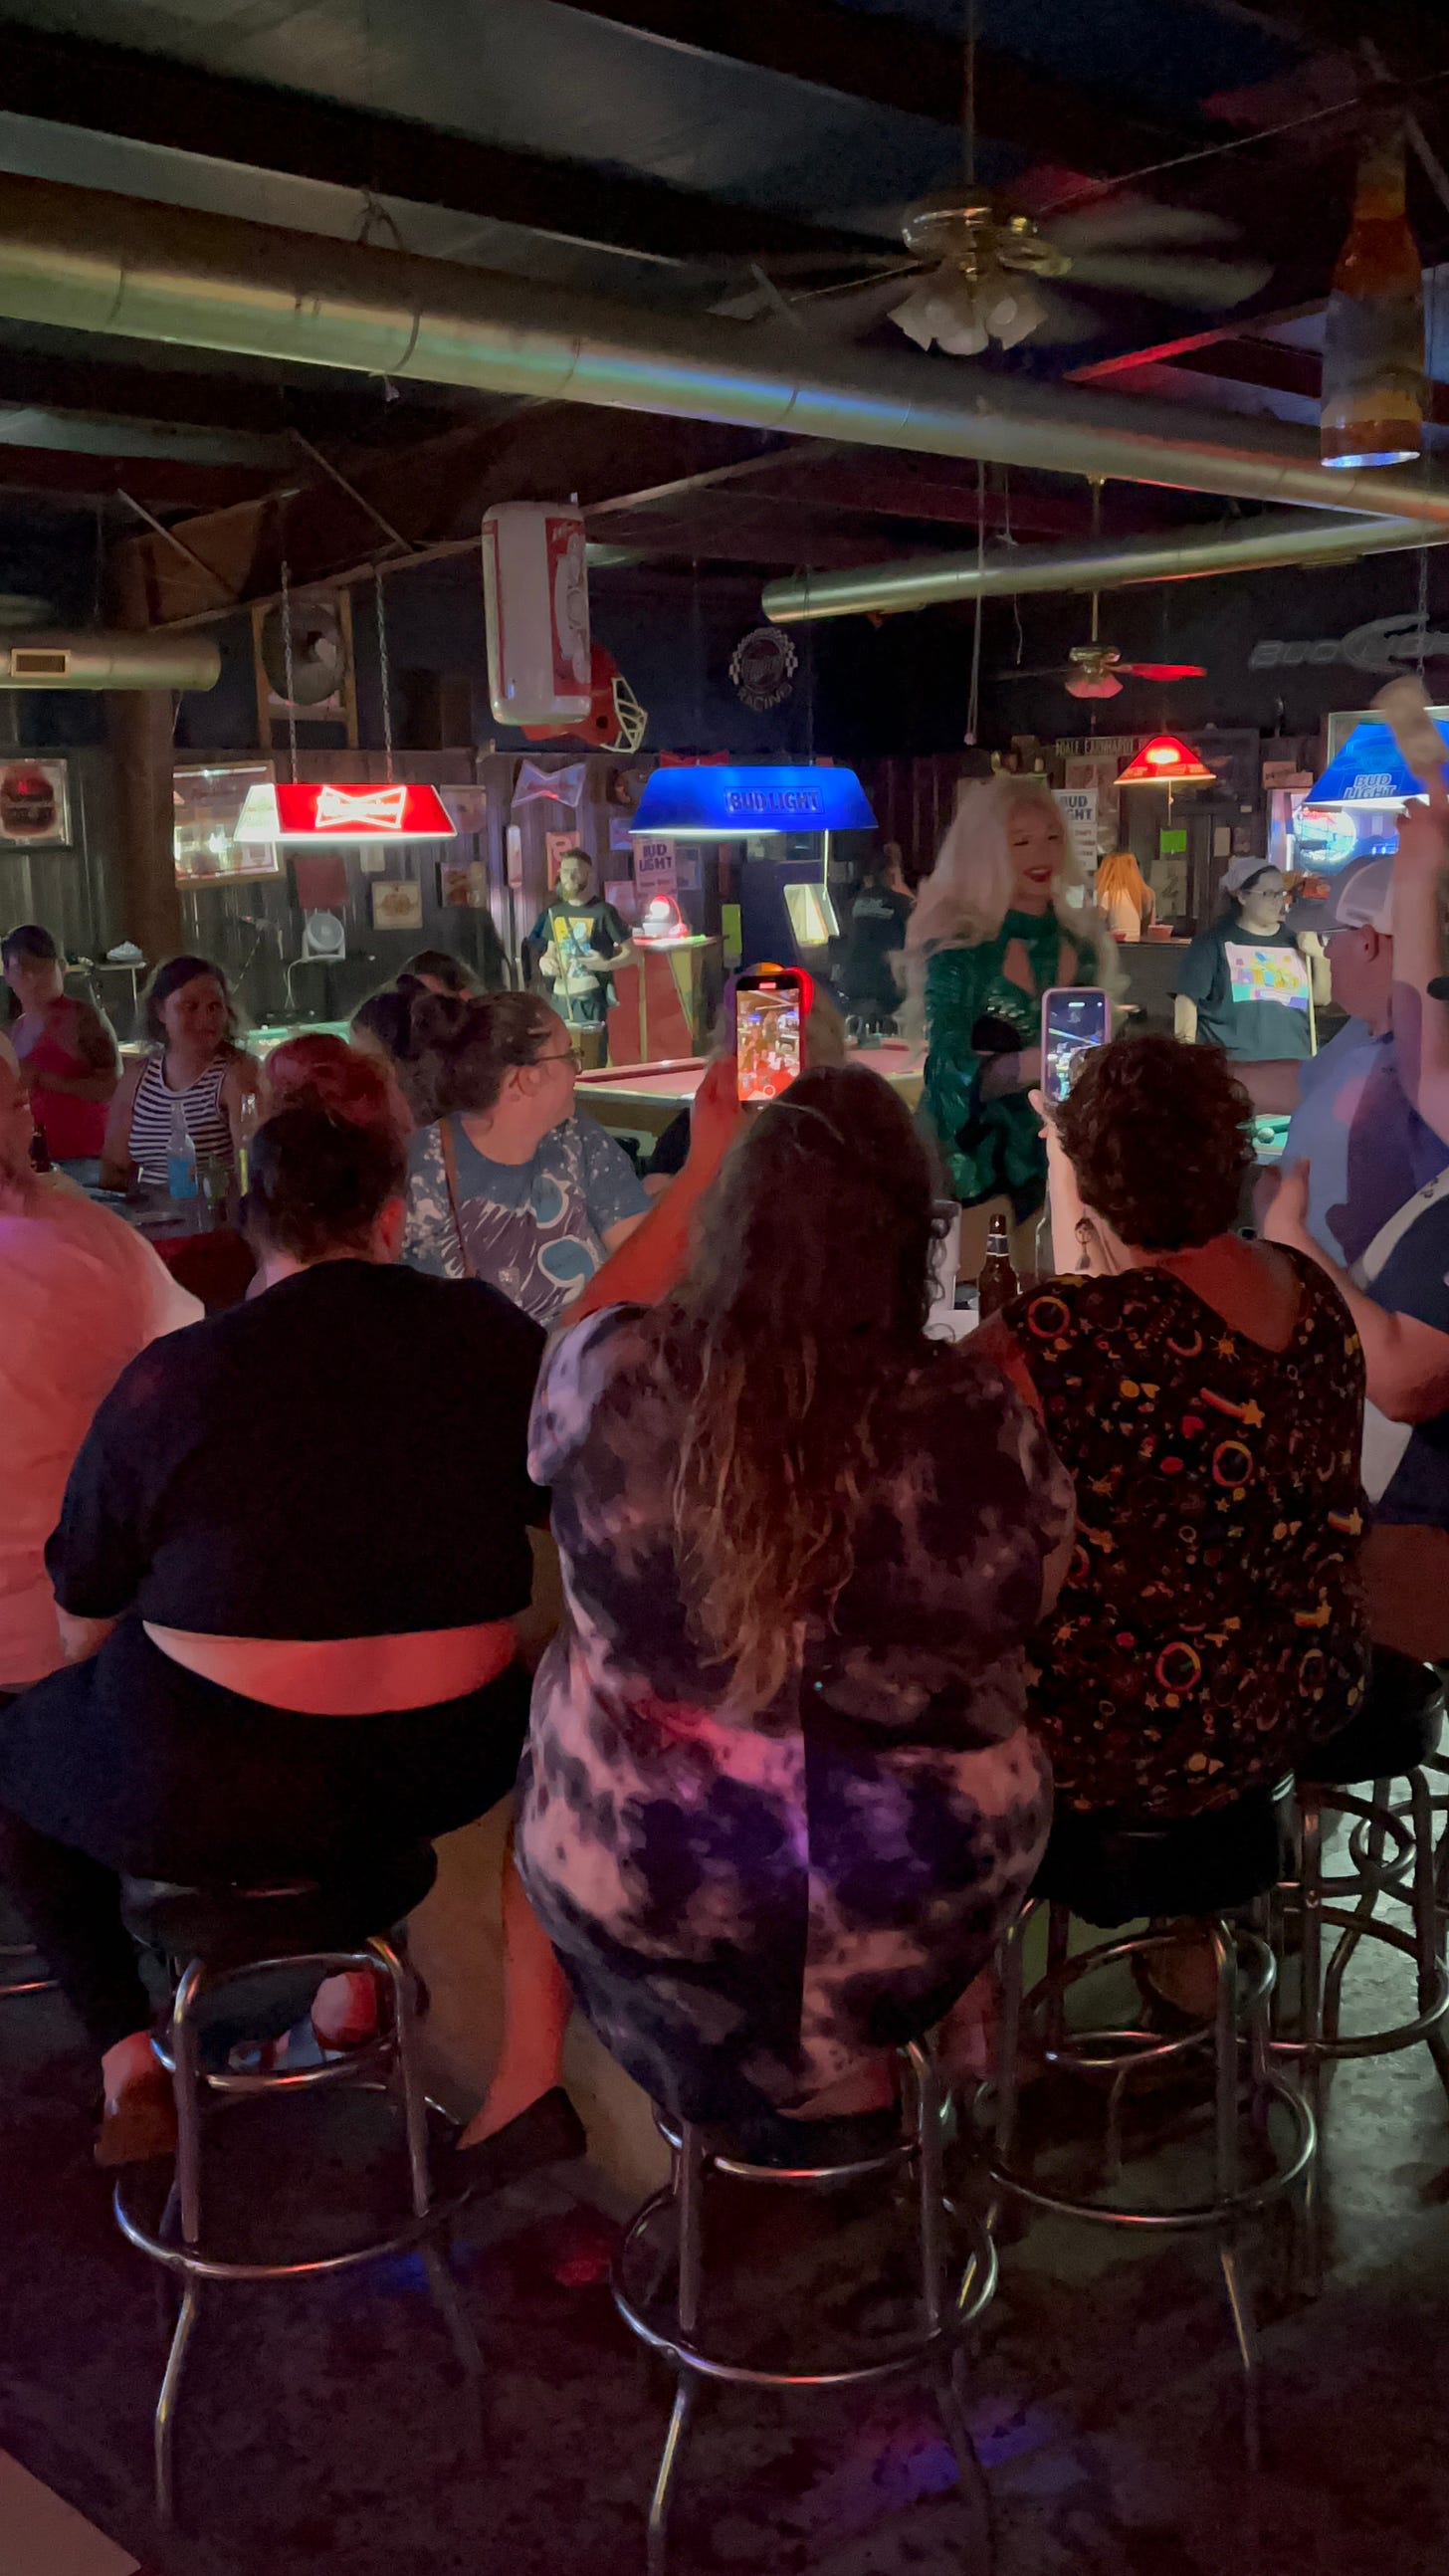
{"type": "Point", "coordinates": [293, 1546]}
{"type": "Point", "coordinates": [872, 977]}
{"type": "Point", "coordinates": [578, 938]}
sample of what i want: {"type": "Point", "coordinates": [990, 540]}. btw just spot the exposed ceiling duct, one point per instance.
{"type": "Point", "coordinates": [122, 660]}
{"type": "Point", "coordinates": [1179, 554]}
{"type": "Point", "coordinates": [85, 260]}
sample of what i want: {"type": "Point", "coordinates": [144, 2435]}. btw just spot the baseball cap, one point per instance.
{"type": "Point", "coordinates": [1248, 864]}
{"type": "Point", "coordinates": [1364, 899]}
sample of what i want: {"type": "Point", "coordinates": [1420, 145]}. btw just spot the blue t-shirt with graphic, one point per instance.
{"type": "Point", "coordinates": [535, 1230]}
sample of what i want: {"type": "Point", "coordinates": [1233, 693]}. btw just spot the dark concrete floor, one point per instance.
{"type": "Point", "coordinates": [326, 2425]}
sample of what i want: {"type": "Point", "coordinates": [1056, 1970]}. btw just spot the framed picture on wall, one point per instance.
{"type": "Point", "coordinates": [206, 804]}
{"type": "Point", "coordinates": [34, 803]}
{"type": "Point", "coordinates": [397, 904]}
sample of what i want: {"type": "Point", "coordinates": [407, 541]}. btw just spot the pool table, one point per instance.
{"type": "Point", "coordinates": [643, 1099]}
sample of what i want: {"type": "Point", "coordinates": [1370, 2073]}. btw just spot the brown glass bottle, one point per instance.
{"type": "Point", "coordinates": [1373, 343]}
{"type": "Point", "coordinates": [996, 1285]}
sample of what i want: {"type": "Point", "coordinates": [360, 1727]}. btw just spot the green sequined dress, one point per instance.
{"type": "Point", "coordinates": [992, 1148]}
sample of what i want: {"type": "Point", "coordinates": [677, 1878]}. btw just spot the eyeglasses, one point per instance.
{"type": "Point", "coordinates": [563, 1055]}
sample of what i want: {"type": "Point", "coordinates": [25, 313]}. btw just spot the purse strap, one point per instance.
{"type": "Point", "coordinates": [450, 1176]}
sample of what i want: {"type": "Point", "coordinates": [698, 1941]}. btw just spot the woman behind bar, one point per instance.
{"type": "Point", "coordinates": [780, 1799]}
{"type": "Point", "coordinates": [293, 1547]}
{"type": "Point", "coordinates": [1207, 1395]}
{"type": "Point", "coordinates": [1123, 896]}
{"type": "Point", "coordinates": [196, 1061]}
{"type": "Point", "coordinates": [993, 927]}
{"type": "Point", "coordinates": [508, 1184]}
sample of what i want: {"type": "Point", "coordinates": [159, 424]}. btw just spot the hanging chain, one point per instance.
{"type": "Point", "coordinates": [287, 664]}
{"type": "Point", "coordinates": [385, 669]}
{"type": "Point", "coordinates": [973, 702]}
{"type": "Point", "coordinates": [968, 104]}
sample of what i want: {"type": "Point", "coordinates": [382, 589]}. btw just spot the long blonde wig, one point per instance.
{"type": "Point", "coordinates": [967, 896]}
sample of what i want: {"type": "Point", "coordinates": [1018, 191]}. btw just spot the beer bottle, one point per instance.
{"type": "Point", "coordinates": [1373, 345]}
{"type": "Point", "coordinates": [997, 1284]}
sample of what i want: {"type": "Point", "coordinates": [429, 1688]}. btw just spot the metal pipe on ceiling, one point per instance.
{"type": "Point", "coordinates": [1179, 554]}
{"type": "Point", "coordinates": [87, 260]}
{"type": "Point", "coordinates": [122, 660]}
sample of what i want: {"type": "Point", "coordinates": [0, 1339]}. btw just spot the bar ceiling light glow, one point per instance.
{"type": "Point", "coordinates": [306, 810]}
{"type": "Point", "coordinates": [721, 804]}
{"type": "Point", "coordinates": [1370, 770]}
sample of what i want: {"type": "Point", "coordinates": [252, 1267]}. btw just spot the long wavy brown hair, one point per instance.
{"type": "Point", "coordinates": [802, 1311]}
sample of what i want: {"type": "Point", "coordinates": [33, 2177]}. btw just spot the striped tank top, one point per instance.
{"type": "Point", "coordinates": [153, 1109]}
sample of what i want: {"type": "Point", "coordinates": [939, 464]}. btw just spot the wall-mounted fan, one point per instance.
{"type": "Point", "coordinates": [319, 652]}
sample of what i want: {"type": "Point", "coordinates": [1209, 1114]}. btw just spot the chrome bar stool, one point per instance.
{"type": "Point", "coordinates": [214, 1938]}
{"type": "Point", "coordinates": [1391, 1851]}
{"type": "Point", "coordinates": [949, 2302]}
{"type": "Point", "coordinates": [1218, 1868]}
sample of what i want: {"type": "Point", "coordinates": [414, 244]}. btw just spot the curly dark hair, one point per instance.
{"type": "Point", "coordinates": [1159, 1136]}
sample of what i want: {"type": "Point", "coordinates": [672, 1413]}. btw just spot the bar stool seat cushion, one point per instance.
{"type": "Point", "coordinates": [1395, 1730]}
{"type": "Point", "coordinates": [230, 1925]}
{"type": "Point", "coordinates": [1110, 1868]}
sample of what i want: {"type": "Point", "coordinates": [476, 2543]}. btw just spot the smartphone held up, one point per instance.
{"type": "Point", "coordinates": [771, 1006]}
{"type": "Point", "coordinates": [1074, 1019]}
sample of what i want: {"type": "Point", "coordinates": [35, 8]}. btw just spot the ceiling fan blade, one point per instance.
{"type": "Point", "coordinates": [1067, 322]}
{"type": "Point", "coordinates": [1054, 673]}
{"type": "Point", "coordinates": [1163, 670]}
{"type": "Point", "coordinates": [1209, 284]}
{"type": "Point", "coordinates": [1125, 223]}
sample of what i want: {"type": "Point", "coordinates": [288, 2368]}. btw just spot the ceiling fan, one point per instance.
{"type": "Point", "coordinates": [1095, 669]}
{"type": "Point", "coordinates": [981, 268]}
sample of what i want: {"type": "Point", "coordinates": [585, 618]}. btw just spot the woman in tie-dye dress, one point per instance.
{"type": "Point", "coordinates": [780, 1799]}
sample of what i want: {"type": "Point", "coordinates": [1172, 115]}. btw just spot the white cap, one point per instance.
{"type": "Point", "coordinates": [1364, 899]}
{"type": "Point", "coordinates": [1248, 864]}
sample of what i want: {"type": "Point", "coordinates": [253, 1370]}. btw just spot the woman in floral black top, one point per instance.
{"type": "Point", "coordinates": [1207, 1395]}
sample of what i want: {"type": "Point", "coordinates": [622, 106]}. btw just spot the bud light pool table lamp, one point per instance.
{"type": "Point", "coordinates": [783, 817]}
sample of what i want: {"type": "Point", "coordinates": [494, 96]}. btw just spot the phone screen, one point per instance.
{"type": "Point", "coordinates": [767, 1034]}
{"type": "Point", "coordinates": [1073, 1021]}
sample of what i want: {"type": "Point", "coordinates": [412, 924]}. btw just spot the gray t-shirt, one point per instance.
{"type": "Point", "coordinates": [534, 1230]}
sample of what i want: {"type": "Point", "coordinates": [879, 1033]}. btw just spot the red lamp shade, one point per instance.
{"type": "Point", "coordinates": [1166, 761]}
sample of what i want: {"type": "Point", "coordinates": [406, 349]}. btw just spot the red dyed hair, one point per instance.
{"type": "Point", "coordinates": [319, 1071]}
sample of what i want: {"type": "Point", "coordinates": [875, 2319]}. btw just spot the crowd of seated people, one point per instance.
{"type": "Point", "coordinates": [846, 1605]}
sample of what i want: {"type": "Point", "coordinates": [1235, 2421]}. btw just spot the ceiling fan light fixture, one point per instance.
{"type": "Point", "coordinates": [944, 309]}
{"type": "Point", "coordinates": [1014, 311]}
{"type": "Point", "coordinates": [1093, 684]}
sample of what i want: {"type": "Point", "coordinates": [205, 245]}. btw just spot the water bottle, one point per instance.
{"type": "Point", "coordinates": [181, 1177]}
{"type": "Point", "coordinates": [247, 1125]}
